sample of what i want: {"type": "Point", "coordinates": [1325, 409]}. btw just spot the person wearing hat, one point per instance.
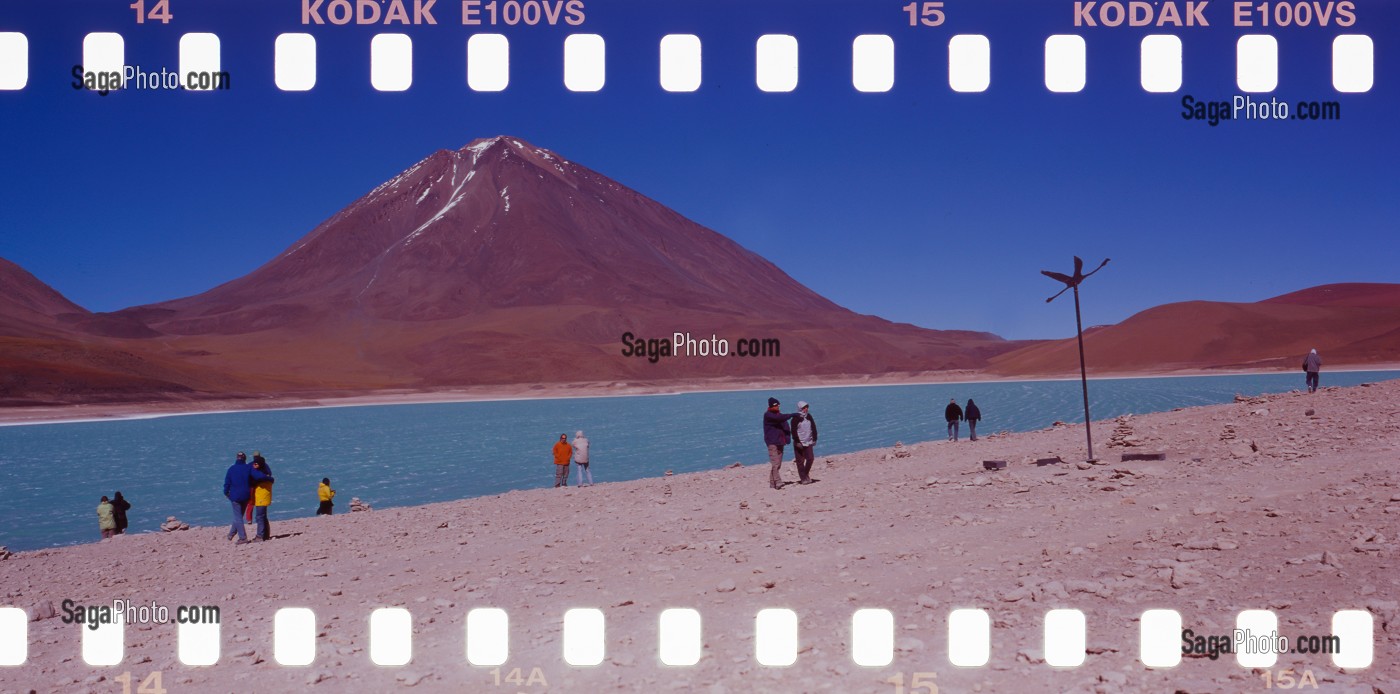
{"type": "Point", "coordinates": [1311, 365]}
{"type": "Point", "coordinates": [562, 452]}
{"type": "Point", "coordinates": [581, 458]}
{"type": "Point", "coordinates": [776, 434]}
{"type": "Point", "coordinates": [804, 442]}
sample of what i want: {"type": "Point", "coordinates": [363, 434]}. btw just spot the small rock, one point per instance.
{"type": "Point", "coordinates": [726, 586]}
{"type": "Point", "coordinates": [43, 610]}
{"type": "Point", "coordinates": [927, 601]}
{"type": "Point", "coordinates": [409, 678]}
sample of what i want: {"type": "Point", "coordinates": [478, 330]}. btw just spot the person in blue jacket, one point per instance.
{"type": "Point", "coordinates": [776, 434]}
{"type": "Point", "coordinates": [238, 485]}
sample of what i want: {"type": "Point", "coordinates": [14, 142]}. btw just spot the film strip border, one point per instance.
{"type": "Point", "coordinates": [680, 65]}
{"type": "Point", "coordinates": [680, 638]}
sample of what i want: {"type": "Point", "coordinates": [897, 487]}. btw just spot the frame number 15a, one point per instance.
{"type": "Point", "coordinates": [919, 683]}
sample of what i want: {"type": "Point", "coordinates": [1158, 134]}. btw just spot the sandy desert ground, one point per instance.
{"type": "Point", "coordinates": [1259, 504]}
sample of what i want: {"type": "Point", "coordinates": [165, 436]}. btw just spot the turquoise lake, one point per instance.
{"type": "Point", "coordinates": [52, 475]}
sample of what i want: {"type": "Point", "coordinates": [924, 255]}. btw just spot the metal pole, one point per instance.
{"type": "Point", "coordinates": [1083, 375]}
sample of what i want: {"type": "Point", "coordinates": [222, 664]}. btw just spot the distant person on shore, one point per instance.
{"type": "Point", "coordinates": [1312, 364]}
{"type": "Point", "coordinates": [106, 518]}
{"type": "Point", "coordinates": [581, 457]}
{"type": "Point", "coordinates": [238, 489]}
{"type": "Point", "coordinates": [262, 497]}
{"type": "Point", "coordinates": [953, 414]}
{"type": "Point", "coordinates": [119, 508]}
{"type": "Point", "coordinates": [776, 434]}
{"type": "Point", "coordinates": [326, 495]}
{"type": "Point", "coordinates": [562, 452]}
{"type": "Point", "coordinates": [804, 442]}
{"type": "Point", "coordinates": [973, 415]}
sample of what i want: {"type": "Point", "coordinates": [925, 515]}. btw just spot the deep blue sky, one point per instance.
{"type": "Point", "coordinates": [919, 205]}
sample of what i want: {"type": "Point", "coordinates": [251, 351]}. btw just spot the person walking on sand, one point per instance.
{"type": "Point", "coordinates": [119, 508]}
{"type": "Point", "coordinates": [804, 442]}
{"type": "Point", "coordinates": [776, 434]}
{"type": "Point", "coordinates": [1311, 365]}
{"type": "Point", "coordinates": [953, 414]}
{"type": "Point", "coordinates": [262, 498]}
{"type": "Point", "coordinates": [238, 488]}
{"type": "Point", "coordinates": [581, 457]}
{"type": "Point", "coordinates": [973, 415]}
{"type": "Point", "coordinates": [326, 495]}
{"type": "Point", "coordinates": [562, 452]}
{"type": "Point", "coordinates": [106, 518]}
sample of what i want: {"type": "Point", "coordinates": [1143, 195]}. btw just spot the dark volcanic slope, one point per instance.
{"type": "Point", "coordinates": [27, 304]}
{"type": "Point", "coordinates": [1346, 323]}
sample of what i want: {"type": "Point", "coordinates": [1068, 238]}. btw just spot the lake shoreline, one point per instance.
{"type": "Point", "coordinates": [102, 412]}
{"type": "Point", "coordinates": [1296, 485]}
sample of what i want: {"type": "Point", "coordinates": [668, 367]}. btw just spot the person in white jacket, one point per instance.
{"type": "Point", "coordinates": [581, 458]}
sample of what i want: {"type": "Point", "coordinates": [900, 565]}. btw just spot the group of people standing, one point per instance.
{"type": "Point", "coordinates": [780, 429]}
{"type": "Point", "coordinates": [578, 452]}
{"type": "Point", "coordinates": [111, 515]}
{"type": "Point", "coordinates": [249, 490]}
{"type": "Point", "coordinates": [954, 414]}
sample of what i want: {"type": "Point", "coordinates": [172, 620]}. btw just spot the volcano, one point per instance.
{"type": "Point", "coordinates": [503, 262]}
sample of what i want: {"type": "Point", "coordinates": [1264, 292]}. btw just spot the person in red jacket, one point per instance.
{"type": "Point", "coordinates": [562, 452]}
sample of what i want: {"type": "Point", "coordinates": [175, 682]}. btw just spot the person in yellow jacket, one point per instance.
{"type": "Point", "coordinates": [562, 452]}
{"type": "Point", "coordinates": [106, 518]}
{"type": "Point", "coordinates": [326, 494]}
{"type": "Point", "coordinates": [262, 498]}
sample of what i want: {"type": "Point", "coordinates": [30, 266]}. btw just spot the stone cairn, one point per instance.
{"type": "Point", "coordinates": [357, 505]}
{"type": "Point", "coordinates": [1123, 436]}
{"type": "Point", "coordinates": [172, 524]}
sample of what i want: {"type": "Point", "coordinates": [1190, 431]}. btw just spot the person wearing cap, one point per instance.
{"type": "Point", "coordinates": [562, 452]}
{"type": "Point", "coordinates": [953, 414]}
{"type": "Point", "coordinates": [776, 434]}
{"type": "Point", "coordinates": [804, 442]}
{"type": "Point", "coordinates": [580, 446]}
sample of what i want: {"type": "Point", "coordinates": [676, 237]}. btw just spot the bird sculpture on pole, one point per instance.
{"type": "Point", "coordinates": [1073, 282]}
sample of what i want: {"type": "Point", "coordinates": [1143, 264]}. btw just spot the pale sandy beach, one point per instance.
{"type": "Point", "coordinates": [142, 410]}
{"type": "Point", "coordinates": [1258, 505]}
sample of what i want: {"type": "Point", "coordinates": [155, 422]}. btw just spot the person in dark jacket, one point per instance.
{"type": "Point", "coordinates": [972, 415]}
{"type": "Point", "coordinates": [238, 489]}
{"type": "Point", "coordinates": [953, 414]}
{"type": "Point", "coordinates": [1311, 365]}
{"type": "Point", "coordinates": [119, 508]}
{"type": "Point", "coordinates": [804, 442]}
{"type": "Point", "coordinates": [776, 434]}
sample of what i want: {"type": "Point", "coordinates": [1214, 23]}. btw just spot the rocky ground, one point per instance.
{"type": "Point", "coordinates": [1289, 503]}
